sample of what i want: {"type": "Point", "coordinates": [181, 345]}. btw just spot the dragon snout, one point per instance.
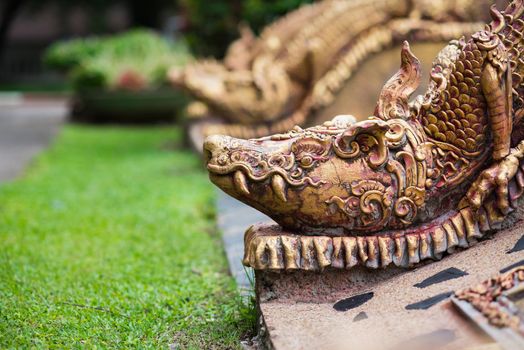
{"type": "Point", "coordinates": [214, 144]}
{"type": "Point", "coordinates": [216, 148]}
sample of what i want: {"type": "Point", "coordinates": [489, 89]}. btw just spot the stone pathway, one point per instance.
{"type": "Point", "coordinates": [26, 127]}
{"type": "Point", "coordinates": [233, 218]}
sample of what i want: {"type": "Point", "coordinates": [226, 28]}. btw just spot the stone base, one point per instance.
{"type": "Point", "coordinates": [382, 309]}
{"type": "Point", "coordinates": [270, 247]}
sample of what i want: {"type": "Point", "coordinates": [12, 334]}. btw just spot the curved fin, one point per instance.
{"type": "Point", "coordinates": [393, 99]}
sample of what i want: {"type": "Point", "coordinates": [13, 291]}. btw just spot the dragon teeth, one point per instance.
{"type": "Point", "coordinates": [451, 236]}
{"type": "Point", "coordinates": [400, 258]}
{"type": "Point", "coordinates": [281, 250]}
{"type": "Point", "coordinates": [279, 187]}
{"type": "Point", "coordinates": [386, 246]}
{"type": "Point", "coordinates": [472, 228]}
{"type": "Point", "coordinates": [337, 260]}
{"type": "Point", "coordinates": [413, 249]}
{"type": "Point", "coordinates": [426, 250]}
{"type": "Point", "coordinates": [440, 242]}
{"type": "Point", "coordinates": [373, 253]}
{"type": "Point", "coordinates": [351, 248]}
{"type": "Point", "coordinates": [460, 230]}
{"type": "Point", "coordinates": [240, 182]}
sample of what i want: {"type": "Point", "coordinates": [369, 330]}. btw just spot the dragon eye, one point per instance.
{"type": "Point", "coordinates": [306, 161]}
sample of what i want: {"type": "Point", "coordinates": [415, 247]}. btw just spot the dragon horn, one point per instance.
{"type": "Point", "coordinates": [393, 99]}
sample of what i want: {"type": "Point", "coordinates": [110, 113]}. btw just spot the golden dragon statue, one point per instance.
{"type": "Point", "coordinates": [413, 181]}
{"type": "Point", "coordinates": [299, 64]}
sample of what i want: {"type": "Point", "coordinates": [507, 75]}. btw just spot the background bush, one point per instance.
{"type": "Point", "coordinates": [213, 24]}
{"type": "Point", "coordinates": [134, 60]}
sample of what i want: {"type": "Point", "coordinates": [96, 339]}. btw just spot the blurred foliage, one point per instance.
{"type": "Point", "coordinates": [133, 60]}
{"type": "Point", "coordinates": [214, 24]}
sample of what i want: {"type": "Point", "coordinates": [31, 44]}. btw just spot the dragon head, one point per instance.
{"type": "Point", "coordinates": [245, 96]}
{"type": "Point", "coordinates": [326, 177]}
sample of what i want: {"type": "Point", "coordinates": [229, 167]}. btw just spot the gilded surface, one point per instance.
{"type": "Point", "coordinates": [299, 64]}
{"type": "Point", "coordinates": [437, 173]}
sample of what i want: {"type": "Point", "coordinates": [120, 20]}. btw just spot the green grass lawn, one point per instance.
{"type": "Point", "coordinates": [108, 241]}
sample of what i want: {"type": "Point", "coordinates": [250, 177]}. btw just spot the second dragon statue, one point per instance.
{"type": "Point", "coordinates": [299, 64]}
{"type": "Point", "coordinates": [413, 181]}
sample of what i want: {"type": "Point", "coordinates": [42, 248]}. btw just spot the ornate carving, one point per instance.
{"type": "Point", "coordinates": [490, 298]}
{"type": "Point", "coordinates": [299, 64]}
{"type": "Point", "coordinates": [273, 248]}
{"type": "Point", "coordinates": [443, 163]}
